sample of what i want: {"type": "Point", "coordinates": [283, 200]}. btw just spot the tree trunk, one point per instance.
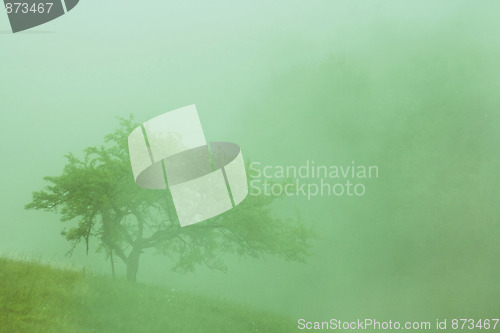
{"type": "Point", "coordinates": [133, 264]}
{"type": "Point", "coordinates": [112, 260]}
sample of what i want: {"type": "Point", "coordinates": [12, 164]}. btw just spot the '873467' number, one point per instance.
{"type": "Point", "coordinates": [471, 324]}
{"type": "Point", "coordinates": [25, 8]}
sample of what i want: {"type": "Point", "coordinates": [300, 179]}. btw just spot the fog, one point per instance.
{"type": "Point", "coordinates": [409, 87]}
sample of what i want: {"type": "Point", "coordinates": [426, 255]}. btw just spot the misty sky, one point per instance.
{"type": "Point", "coordinates": [410, 87]}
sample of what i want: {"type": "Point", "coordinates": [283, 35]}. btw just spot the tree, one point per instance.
{"type": "Point", "coordinates": [96, 194]}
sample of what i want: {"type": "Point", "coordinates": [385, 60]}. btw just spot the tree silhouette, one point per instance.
{"type": "Point", "coordinates": [97, 196]}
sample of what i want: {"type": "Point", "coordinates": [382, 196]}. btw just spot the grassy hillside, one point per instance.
{"type": "Point", "coordinates": [37, 298]}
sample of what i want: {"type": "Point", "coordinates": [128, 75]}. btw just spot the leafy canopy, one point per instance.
{"type": "Point", "coordinates": [97, 198]}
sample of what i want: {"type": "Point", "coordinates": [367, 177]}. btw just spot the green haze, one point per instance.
{"type": "Point", "coordinates": [411, 87]}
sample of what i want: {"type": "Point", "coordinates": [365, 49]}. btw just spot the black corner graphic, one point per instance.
{"type": "Point", "coordinates": [26, 14]}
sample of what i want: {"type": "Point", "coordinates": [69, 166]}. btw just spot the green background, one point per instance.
{"type": "Point", "coordinates": [409, 86]}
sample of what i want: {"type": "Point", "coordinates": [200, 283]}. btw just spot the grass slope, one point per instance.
{"type": "Point", "coordinates": [38, 298]}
